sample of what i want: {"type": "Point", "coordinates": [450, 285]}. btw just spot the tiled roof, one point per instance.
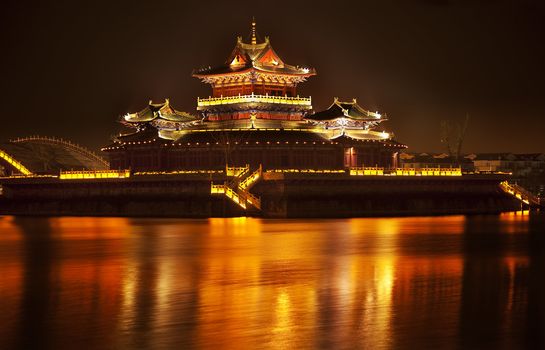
{"type": "Point", "coordinates": [339, 109]}
{"type": "Point", "coordinates": [159, 110]}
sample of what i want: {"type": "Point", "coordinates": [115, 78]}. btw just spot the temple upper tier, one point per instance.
{"type": "Point", "coordinates": [254, 67]}
{"type": "Point", "coordinates": [255, 118]}
{"type": "Point", "coordinates": [160, 115]}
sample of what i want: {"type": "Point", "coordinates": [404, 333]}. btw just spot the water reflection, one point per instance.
{"type": "Point", "coordinates": [441, 282]}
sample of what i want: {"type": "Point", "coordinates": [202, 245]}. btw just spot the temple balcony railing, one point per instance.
{"type": "Point", "coordinates": [228, 100]}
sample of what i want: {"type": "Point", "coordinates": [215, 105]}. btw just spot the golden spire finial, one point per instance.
{"type": "Point", "coordinates": [254, 38]}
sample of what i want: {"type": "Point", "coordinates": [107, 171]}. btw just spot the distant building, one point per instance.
{"type": "Point", "coordinates": [527, 169]}
{"type": "Point", "coordinates": [429, 160]}
{"type": "Point", "coordinates": [518, 164]}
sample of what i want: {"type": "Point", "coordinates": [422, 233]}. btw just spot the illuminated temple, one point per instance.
{"type": "Point", "coordinates": [254, 116]}
{"type": "Point", "coordinates": [254, 147]}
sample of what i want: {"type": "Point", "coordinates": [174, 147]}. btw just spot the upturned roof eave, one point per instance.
{"type": "Point", "coordinates": [308, 74]}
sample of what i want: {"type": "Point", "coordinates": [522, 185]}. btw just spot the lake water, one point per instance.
{"type": "Point", "coordinates": [451, 282]}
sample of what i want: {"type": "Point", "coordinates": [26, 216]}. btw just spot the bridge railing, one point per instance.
{"type": "Point", "coordinates": [68, 144]}
{"type": "Point", "coordinates": [14, 163]}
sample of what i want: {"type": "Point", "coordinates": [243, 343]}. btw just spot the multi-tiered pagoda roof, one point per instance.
{"type": "Point", "coordinates": [253, 59]}
{"type": "Point", "coordinates": [254, 116]}
{"type": "Point", "coordinates": [156, 113]}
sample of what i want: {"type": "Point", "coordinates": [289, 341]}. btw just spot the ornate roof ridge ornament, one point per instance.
{"type": "Point", "coordinates": [253, 55]}
{"type": "Point", "coordinates": [254, 36]}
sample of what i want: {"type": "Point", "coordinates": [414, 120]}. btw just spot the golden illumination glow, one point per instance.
{"type": "Point", "coordinates": [217, 189]}
{"type": "Point", "coordinates": [318, 171]}
{"type": "Point", "coordinates": [406, 172]}
{"type": "Point", "coordinates": [250, 180]}
{"type": "Point", "coordinates": [251, 283]}
{"type": "Point", "coordinates": [238, 189]}
{"type": "Point", "coordinates": [354, 133]}
{"type": "Point", "coordinates": [364, 171]}
{"type": "Point", "coordinates": [440, 172]}
{"type": "Point", "coordinates": [230, 193]}
{"type": "Point", "coordinates": [235, 171]}
{"type": "Point", "coordinates": [520, 194]}
{"type": "Point", "coordinates": [31, 176]}
{"type": "Point", "coordinates": [226, 100]}
{"type": "Point", "coordinates": [98, 174]}
{"type": "Point", "coordinates": [178, 172]}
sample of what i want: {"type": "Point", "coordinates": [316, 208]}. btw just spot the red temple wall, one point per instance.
{"type": "Point", "coordinates": [271, 157]}
{"type": "Point", "coordinates": [259, 115]}
{"type": "Point", "coordinates": [257, 89]}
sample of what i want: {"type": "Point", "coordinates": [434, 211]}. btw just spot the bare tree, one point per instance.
{"type": "Point", "coordinates": [453, 135]}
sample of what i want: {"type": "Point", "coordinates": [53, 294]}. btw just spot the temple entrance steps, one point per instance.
{"type": "Point", "coordinates": [521, 194]}
{"type": "Point", "coordinates": [250, 179]}
{"type": "Point", "coordinates": [238, 188]}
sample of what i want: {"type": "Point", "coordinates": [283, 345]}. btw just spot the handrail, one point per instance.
{"type": "Point", "coordinates": [68, 144]}
{"type": "Point", "coordinates": [520, 193]}
{"type": "Point", "coordinates": [235, 171]}
{"type": "Point", "coordinates": [14, 163]}
{"type": "Point", "coordinates": [237, 189]}
{"type": "Point", "coordinates": [251, 179]}
{"type": "Point", "coordinates": [253, 200]}
{"type": "Point", "coordinates": [532, 197]}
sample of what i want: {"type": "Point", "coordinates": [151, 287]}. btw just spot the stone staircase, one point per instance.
{"type": "Point", "coordinates": [238, 187]}
{"type": "Point", "coordinates": [522, 194]}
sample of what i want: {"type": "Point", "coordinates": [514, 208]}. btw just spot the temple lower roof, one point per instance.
{"type": "Point", "coordinates": [148, 133]}
{"type": "Point", "coordinates": [350, 110]}
{"type": "Point", "coordinates": [163, 111]}
{"type": "Point", "coordinates": [249, 124]}
{"type": "Point", "coordinates": [249, 135]}
{"type": "Point", "coordinates": [245, 136]}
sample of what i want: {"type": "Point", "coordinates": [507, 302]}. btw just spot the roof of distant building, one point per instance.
{"type": "Point", "coordinates": [494, 156]}
{"type": "Point", "coordinates": [530, 156]}
{"type": "Point", "coordinates": [439, 158]}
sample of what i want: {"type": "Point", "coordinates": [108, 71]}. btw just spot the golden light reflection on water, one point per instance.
{"type": "Point", "coordinates": [247, 283]}
{"type": "Point", "coordinates": [514, 222]}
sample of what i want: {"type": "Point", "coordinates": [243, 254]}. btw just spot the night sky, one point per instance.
{"type": "Point", "coordinates": [72, 68]}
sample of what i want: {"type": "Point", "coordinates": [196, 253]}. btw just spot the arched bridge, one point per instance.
{"type": "Point", "coordinates": [46, 155]}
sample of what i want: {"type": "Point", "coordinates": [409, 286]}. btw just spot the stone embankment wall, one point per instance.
{"type": "Point", "coordinates": [282, 195]}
